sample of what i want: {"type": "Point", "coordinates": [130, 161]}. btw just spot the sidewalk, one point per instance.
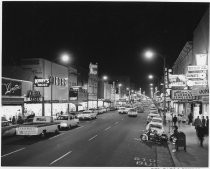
{"type": "Point", "coordinates": [195, 156]}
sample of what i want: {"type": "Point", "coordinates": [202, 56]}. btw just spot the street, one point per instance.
{"type": "Point", "coordinates": [110, 140]}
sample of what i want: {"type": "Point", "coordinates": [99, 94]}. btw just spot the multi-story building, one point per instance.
{"type": "Point", "coordinates": [191, 73]}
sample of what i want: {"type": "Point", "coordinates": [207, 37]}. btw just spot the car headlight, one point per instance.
{"type": "Point", "coordinates": [64, 124]}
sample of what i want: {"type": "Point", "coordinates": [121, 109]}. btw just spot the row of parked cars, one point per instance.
{"type": "Point", "coordinates": [154, 120]}
{"type": "Point", "coordinates": [40, 125]}
{"type": "Point", "coordinates": [130, 111]}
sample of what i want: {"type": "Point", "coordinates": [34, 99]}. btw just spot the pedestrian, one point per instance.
{"type": "Point", "coordinates": [179, 119]}
{"type": "Point", "coordinates": [207, 125]}
{"type": "Point", "coordinates": [203, 121]}
{"type": "Point", "coordinates": [200, 134]}
{"type": "Point", "coordinates": [190, 117]}
{"type": "Point", "coordinates": [197, 123]}
{"type": "Point", "coordinates": [13, 120]}
{"type": "Point", "coordinates": [174, 120]}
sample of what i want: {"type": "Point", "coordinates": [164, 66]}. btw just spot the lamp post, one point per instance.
{"type": "Point", "coordinates": [64, 58]}
{"type": "Point", "coordinates": [129, 99]}
{"type": "Point", "coordinates": [105, 78]}
{"type": "Point", "coordinates": [119, 89]}
{"type": "Point", "coordinates": [149, 55]}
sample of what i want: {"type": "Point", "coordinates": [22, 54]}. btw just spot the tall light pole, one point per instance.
{"type": "Point", "coordinates": [149, 55]}
{"type": "Point", "coordinates": [129, 97]}
{"type": "Point", "coordinates": [119, 89]}
{"type": "Point", "coordinates": [64, 58]}
{"type": "Point", "coordinates": [105, 78]}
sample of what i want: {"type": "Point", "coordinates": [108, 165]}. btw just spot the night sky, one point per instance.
{"type": "Point", "coordinates": [113, 34]}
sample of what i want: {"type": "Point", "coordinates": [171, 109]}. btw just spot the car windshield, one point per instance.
{"type": "Point", "coordinates": [157, 120]}
{"type": "Point", "coordinates": [62, 118]}
{"type": "Point", "coordinates": [3, 119]}
{"type": "Point", "coordinates": [155, 126]}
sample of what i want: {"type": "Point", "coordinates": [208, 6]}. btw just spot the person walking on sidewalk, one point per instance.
{"type": "Point", "coordinates": [179, 119]}
{"type": "Point", "coordinates": [207, 125]}
{"type": "Point", "coordinates": [200, 134]}
{"type": "Point", "coordinates": [197, 123]}
{"type": "Point", "coordinates": [174, 120]}
{"type": "Point", "coordinates": [190, 118]}
{"type": "Point", "coordinates": [203, 121]}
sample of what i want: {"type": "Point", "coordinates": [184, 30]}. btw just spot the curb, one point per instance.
{"type": "Point", "coordinates": [175, 160]}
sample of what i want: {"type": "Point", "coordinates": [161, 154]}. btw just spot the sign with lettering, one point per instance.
{"type": "Point", "coordinates": [181, 94]}
{"type": "Point", "coordinates": [11, 87]}
{"type": "Point", "coordinates": [196, 75]}
{"type": "Point", "coordinates": [93, 69]}
{"type": "Point", "coordinates": [34, 95]}
{"type": "Point", "coordinates": [202, 91]}
{"type": "Point", "coordinates": [177, 80]}
{"type": "Point", "coordinates": [197, 83]}
{"type": "Point", "coordinates": [41, 82]}
{"type": "Point", "coordinates": [197, 68]}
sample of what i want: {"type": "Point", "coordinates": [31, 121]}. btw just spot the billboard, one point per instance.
{"type": "Point", "coordinates": [177, 80]}
{"type": "Point", "coordinates": [11, 87]}
{"type": "Point", "coordinates": [181, 94]}
{"type": "Point", "coordinates": [93, 69]}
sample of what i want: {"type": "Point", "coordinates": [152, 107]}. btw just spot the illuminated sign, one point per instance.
{"type": "Point", "coordinates": [177, 80]}
{"type": "Point", "coordinates": [197, 68]}
{"type": "Point", "coordinates": [181, 94]}
{"type": "Point", "coordinates": [197, 83]}
{"type": "Point", "coordinates": [41, 82]}
{"type": "Point", "coordinates": [11, 87]}
{"type": "Point", "coordinates": [93, 69]}
{"type": "Point", "coordinates": [59, 81]}
{"type": "Point", "coordinates": [34, 95]}
{"type": "Point", "coordinates": [202, 91]}
{"type": "Point", "coordinates": [196, 75]}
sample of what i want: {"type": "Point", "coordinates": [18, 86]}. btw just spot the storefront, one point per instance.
{"type": "Point", "coordinates": [14, 93]}
{"type": "Point", "coordinates": [52, 80]}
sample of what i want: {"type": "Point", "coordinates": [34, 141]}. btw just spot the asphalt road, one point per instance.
{"type": "Point", "coordinates": [112, 140]}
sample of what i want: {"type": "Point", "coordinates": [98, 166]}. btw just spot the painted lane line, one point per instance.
{"type": "Point", "coordinates": [56, 136]}
{"type": "Point", "coordinates": [13, 152]}
{"type": "Point", "coordinates": [93, 137]}
{"type": "Point", "coordinates": [116, 122]}
{"type": "Point", "coordinates": [107, 128]}
{"type": "Point", "coordinates": [60, 157]}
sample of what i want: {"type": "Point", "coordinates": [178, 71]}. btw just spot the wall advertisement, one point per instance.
{"type": "Point", "coordinates": [11, 87]}
{"type": "Point", "coordinates": [177, 80]}
{"type": "Point", "coordinates": [181, 94]}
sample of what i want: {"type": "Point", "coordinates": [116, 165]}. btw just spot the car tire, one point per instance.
{"type": "Point", "coordinates": [43, 134]}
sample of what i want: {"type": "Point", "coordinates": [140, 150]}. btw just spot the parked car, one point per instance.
{"type": "Point", "coordinates": [113, 108]}
{"type": "Point", "coordinates": [40, 126]}
{"type": "Point", "coordinates": [87, 115]}
{"type": "Point", "coordinates": [4, 122]}
{"type": "Point", "coordinates": [132, 112]}
{"type": "Point", "coordinates": [95, 110]}
{"type": "Point", "coordinates": [156, 127]}
{"type": "Point", "coordinates": [157, 120]}
{"type": "Point", "coordinates": [67, 121]}
{"type": "Point", "coordinates": [151, 115]}
{"type": "Point", "coordinates": [101, 110]}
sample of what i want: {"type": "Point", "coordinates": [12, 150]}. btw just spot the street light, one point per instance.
{"type": "Point", "coordinates": [64, 58]}
{"type": "Point", "coordinates": [151, 84]}
{"type": "Point", "coordinates": [149, 55]}
{"type": "Point", "coordinates": [150, 76]}
{"type": "Point", "coordinates": [105, 77]}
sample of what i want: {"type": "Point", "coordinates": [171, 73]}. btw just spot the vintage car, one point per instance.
{"type": "Point", "coordinates": [87, 115]}
{"type": "Point", "coordinates": [40, 126]}
{"type": "Point", "coordinates": [156, 127]}
{"type": "Point", "coordinates": [67, 121]}
{"type": "Point", "coordinates": [132, 112]}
